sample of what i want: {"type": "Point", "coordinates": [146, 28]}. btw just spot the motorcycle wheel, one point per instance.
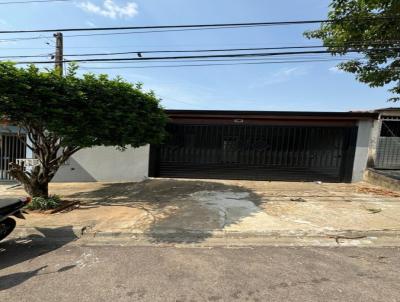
{"type": "Point", "coordinates": [6, 227]}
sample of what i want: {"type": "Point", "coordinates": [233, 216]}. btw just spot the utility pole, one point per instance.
{"type": "Point", "coordinates": [58, 57]}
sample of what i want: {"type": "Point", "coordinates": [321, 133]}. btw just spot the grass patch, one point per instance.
{"type": "Point", "coordinates": [40, 203]}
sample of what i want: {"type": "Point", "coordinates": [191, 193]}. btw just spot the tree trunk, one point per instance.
{"type": "Point", "coordinates": [38, 189]}
{"type": "Point", "coordinates": [36, 185]}
{"type": "Point", "coordinates": [50, 154]}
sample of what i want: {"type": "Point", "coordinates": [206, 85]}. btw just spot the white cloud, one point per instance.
{"type": "Point", "coordinates": [335, 69]}
{"type": "Point", "coordinates": [110, 9]}
{"type": "Point", "coordinates": [4, 44]}
{"type": "Point", "coordinates": [179, 95]}
{"type": "Point", "coordinates": [281, 76]}
{"type": "Point", "coordinates": [90, 23]}
{"type": "Point", "coordinates": [288, 71]}
{"type": "Point", "coordinates": [5, 25]}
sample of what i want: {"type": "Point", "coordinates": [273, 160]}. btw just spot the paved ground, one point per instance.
{"type": "Point", "coordinates": [171, 269]}
{"type": "Point", "coordinates": [158, 207]}
{"type": "Point", "coordinates": [109, 273]}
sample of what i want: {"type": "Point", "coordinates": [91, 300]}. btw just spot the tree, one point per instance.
{"type": "Point", "coordinates": [371, 27]}
{"type": "Point", "coordinates": [61, 115]}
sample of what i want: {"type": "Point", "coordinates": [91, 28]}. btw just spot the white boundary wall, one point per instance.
{"type": "Point", "coordinates": [362, 149]}
{"type": "Point", "coordinates": [105, 164]}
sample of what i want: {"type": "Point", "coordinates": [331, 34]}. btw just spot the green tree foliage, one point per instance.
{"type": "Point", "coordinates": [61, 115]}
{"type": "Point", "coordinates": [371, 27]}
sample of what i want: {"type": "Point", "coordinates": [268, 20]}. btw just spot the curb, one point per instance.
{"type": "Point", "coordinates": [171, 236]}
{"type": "Point", "coordinates": [352, 234]}
{"type": "Point", "coordinates": [377, 178]}
{"type": "Point", "coordinates": [49, 233]}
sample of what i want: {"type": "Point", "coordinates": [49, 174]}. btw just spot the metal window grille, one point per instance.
{"type": "Point", "coordinates": [12, 148]}
{"type": "Point", "coordinates": [388, 147]}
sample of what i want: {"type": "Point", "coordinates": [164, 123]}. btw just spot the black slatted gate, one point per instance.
{"type": "Point", "coordinates": [12, 147]}
{"type": "Point", "coordinates": [298, 153]}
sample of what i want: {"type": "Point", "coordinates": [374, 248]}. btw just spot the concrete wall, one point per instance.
{"type": "Point", "coordinates": [373, 144]}
{"type": "Point", "coordinates": [106, 164]}
{"type": "Point", "coordinates": [378, 179]}
{"type": "Point", "coordinates": [375, 134]}
{"type": "Point", "coordinates": [362, 149]}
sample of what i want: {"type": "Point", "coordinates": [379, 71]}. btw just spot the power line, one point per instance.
{"type": "Point", "coordinates": [352, 44]}
{"type": "Point", "coordinates": [217, 50]}
{"type": "Point", "coordinates": [26, 56]}
{"type": "Point", "coordinates": [30, 48]}
{"type": "Point", "coordinates": [210, 64]}
{"type": "Point", "coordinates": [160, 31]}
{"type": "Point", "coordinates": [188, 26]}
{"type": "Point", "coordinates": [132, 32]}
{"type": "Point", "coordinates": [268, 54]}
{"type": "Point", "coordinates": [24, 38]}
{"type": "Point", "coordinates": [121, 33]}
{"type": "Point", "coordinates": [272, 59]}
{"type": "Point", "coordinates": [141, 52]}
{"type": "Point", "coordinates": [118, 46]}
{"type": "Point", "coordinates": [32, 1]}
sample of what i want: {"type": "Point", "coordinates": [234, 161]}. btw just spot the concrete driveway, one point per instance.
{"type": "Point", "coordinates": [161, 208]}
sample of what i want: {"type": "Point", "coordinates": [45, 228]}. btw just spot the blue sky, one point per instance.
{"type": "Point", "coordinates": [316, 86]}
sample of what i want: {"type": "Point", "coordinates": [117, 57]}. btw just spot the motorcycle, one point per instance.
{"type": "Point", "coordinates": [10, 207]}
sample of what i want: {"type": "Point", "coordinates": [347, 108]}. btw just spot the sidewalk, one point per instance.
{"type": "Point", "coordinates": [166, 211]}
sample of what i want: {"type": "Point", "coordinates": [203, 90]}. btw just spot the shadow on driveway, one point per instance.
{"type": "Point", "coordinates": [182, 211]}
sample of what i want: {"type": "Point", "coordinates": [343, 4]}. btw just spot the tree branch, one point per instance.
{"type": "Point", "coordinates": [66, 153]}
{"type": "Point", "coordinates": [18, 173]}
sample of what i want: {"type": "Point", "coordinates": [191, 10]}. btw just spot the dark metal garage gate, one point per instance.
{"type": "Point", "coordinates": [296, 153]}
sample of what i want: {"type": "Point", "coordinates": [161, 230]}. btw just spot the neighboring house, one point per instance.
{"type": "Point", "coordinates": [93, 164]}
{"type": "Point", "coordinates": [384, 153]}
{"type": "Point", "coordinates": [268, 145]}
{"type": "Point", "coordinates": [385, 140]}
{"type": "Point", "coordinates": [12, 147]}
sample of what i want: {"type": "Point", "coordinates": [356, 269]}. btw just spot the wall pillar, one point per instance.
{"type": "Point", "coordinates": [362, 149]}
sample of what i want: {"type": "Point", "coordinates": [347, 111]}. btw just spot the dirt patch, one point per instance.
{"type": "Point", "coordinates": [377, 191]}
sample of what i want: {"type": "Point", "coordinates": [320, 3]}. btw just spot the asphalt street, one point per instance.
{"type": "Point", "coordinates": [31, 272]}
